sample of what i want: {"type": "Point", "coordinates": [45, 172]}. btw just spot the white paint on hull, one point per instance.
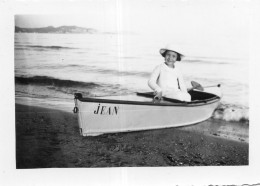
{"type": "Point", "coordinates": [97, 118]}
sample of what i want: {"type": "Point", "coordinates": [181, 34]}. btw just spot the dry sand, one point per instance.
{"type": "Point", "coordinates": [48, 138]}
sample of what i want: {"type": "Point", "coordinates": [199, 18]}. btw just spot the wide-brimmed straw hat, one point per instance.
{"type": "Point", "coordinates": [173, 48]}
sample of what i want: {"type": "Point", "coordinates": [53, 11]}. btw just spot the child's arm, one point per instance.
{"type": "Point", "coordinates": [182, 83]}
{"type": "Point", "coordinates": [152, 82]}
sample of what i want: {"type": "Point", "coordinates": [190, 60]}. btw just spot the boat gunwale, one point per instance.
{"type": "Point", "coordinates": [127, 102]}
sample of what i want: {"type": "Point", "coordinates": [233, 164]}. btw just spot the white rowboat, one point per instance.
{"type": "Point", "coordinates": [141, 112]}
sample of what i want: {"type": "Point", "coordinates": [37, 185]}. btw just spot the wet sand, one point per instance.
{"type": "Point", "coordinates": [48, 138]}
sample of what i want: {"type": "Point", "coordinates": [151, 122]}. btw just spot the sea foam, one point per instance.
{"type": "Point", "coordinates": [229, 112]}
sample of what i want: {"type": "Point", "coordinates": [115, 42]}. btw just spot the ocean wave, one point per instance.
{"type": "Point", "coordinates": [50, 81]}
{"type": "Point", "coordinates": [71, 87]}
{"type": "Point", "coordinates": [45, 86]}
{"type": "Point", "coordinates": [121, 73]}
{"type": "Point", "coordinates": [43, 47]}
{"type": "Point", "coordinates": [207, 61]}
{"type": "Point", "coordinates": [213, 60]}
{"type": "Point", "coordinates": [48, 87]}
{"type": "Point", "coordinates": [95, 69]}
{"type": "Point", "coordinates": [230, 112]}
{"type": "Point", "coordinates": [91, 69]}
{"type": "Point", "coordinates": [50, 47]}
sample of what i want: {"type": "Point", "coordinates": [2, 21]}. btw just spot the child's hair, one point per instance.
{"type": "Point", "coordinates": [178, 55]}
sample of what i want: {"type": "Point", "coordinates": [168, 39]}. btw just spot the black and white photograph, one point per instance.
{"type": "Point", "coordinates": [125, 85]}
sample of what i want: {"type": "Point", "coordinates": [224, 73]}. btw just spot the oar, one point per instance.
{"type": "Point", "coordinates": [198, 86]}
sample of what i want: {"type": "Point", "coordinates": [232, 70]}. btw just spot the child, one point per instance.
{"type": "Point", "coordinates": [166, 79]}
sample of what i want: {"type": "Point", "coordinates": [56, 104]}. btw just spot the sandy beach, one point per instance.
{"type": "Point", "coordinates": [48, 138]}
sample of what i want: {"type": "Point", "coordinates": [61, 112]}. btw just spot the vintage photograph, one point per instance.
{"type": "Point", "coordinates": [133, 84]}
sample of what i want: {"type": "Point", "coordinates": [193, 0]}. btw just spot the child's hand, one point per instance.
{"type": "Point", "coordinates": [189, 89]}
{"type": "Point", "coordinates": [158, 96]}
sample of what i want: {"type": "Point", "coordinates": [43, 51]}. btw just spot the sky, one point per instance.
{"type": "Point", "coordinates": [148, 16]}
{"type": "Point", "coordinates": [211, 23]}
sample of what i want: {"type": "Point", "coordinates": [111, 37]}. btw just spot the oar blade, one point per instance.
{"type": "Point", "coordinates": [197, 86]}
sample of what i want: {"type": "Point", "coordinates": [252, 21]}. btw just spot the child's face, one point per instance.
{"type": "Point", "coordinates": [170, 57]}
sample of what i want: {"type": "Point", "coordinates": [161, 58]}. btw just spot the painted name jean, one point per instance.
{"type": "Point", "coordinates": [106, 110]}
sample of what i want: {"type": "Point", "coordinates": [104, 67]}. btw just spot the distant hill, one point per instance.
{"type": "Point", "coordinates": [61, 29]}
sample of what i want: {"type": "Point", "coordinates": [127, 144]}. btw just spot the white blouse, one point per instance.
{"type": "Point", "coordinates": [164, 78]}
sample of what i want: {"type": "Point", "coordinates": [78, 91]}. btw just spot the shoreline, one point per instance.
{"type": "Point", "coordinates": [48, 138]}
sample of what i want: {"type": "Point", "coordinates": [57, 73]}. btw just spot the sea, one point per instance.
{"type": "Point", "coordinates": [50, 68]}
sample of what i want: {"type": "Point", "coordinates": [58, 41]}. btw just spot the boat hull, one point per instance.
{"type": "Point", "coordinates": [98, 116]}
